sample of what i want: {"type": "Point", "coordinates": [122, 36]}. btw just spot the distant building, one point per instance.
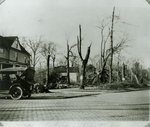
{"type": "Point", "coordinates": [74, 72]}
{"type": "Point", "coordinates": [12, 53]}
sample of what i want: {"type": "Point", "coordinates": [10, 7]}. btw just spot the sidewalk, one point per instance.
{"type": "Point", "coordinates": [58, 94]}
{"type": "Point", "coordinates": [72, 104]}
{"type": "Point", "coordinates": [62, 94]}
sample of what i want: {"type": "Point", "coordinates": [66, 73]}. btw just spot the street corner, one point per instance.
{"type": "Point", "coordinates": [54, 95]}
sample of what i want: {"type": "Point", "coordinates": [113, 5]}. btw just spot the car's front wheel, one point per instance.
{"type": "Point", "coordinates": [16, 92]}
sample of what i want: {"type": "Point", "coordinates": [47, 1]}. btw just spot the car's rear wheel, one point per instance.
{"type": "Point", "coordinates": [16, 92]}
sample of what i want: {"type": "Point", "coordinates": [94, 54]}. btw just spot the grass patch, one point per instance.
{"type": "Point", "coordinates": [121, 85]}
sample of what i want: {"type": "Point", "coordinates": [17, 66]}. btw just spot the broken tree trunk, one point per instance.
{"type": "Point", "coordinates": [68, 71]}
{"type": "Point", "coordinates": [85, 60]}
{"type": "Point", "coordinates": [48, 59]}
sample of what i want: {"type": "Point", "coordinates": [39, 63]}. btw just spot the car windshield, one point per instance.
{"type": "Point", "coordinates": [7, 76]}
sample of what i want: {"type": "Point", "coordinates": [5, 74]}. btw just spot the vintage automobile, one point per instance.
{"type": "Point", "coordinates": [12, 83]}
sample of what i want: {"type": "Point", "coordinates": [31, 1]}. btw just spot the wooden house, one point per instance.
{"type": "Point", "coordinates": [12, 53]}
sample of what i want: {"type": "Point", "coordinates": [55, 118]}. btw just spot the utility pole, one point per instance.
{"type": "Point", "coordinates": [111, 46]}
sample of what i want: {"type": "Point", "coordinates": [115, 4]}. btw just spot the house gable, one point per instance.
{"type": "Point", "coordinates": [16, 45]}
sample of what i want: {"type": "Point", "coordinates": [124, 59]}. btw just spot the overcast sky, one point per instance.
{"type": "Point", "coordinates": [58, 20]}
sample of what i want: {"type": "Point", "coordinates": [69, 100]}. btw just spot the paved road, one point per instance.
{"type": "Point", "coordinates": [126, 106]}
{"type": "Point", "coordinates": [76, 124]}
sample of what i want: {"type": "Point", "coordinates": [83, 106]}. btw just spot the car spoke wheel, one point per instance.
{"type": "Point", "coordinates": [16, 93]}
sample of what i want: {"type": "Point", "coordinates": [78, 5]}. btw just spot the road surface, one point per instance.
{"type": "Point", "coordinates": [125, 106]}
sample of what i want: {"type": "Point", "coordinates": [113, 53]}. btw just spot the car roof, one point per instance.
{"type": "Point", "coordinates": [12, 70]}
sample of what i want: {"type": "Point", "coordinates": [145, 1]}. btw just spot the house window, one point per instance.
{"type": "Point", "coordinates": [17, 45]}
{"type": "Point", "coordinates": [1, 51]}
{"type": "Point", "coordinates": [25, 60]}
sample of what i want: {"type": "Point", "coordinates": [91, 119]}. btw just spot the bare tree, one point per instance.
{"type": "Point", "coordinates": [104, 40]}
{"type": "Point", "coordinates": [53, 59]}
{"type": "Point", "coordinates": [94, 60]}
{"type": "Point", "coordinates": [85, 60]}
{"type": "Point", "coordinates": [107, 53]}
{"type": "Point", "coordinates": [104, 56]}
{"type": "Point", "coordinates": [47, 51]}
{"type": "Point", "coordinates": [61, 62]}
{"type": "Point", "coordinates": [53, 55]}
{"type": "Point", "coordinates": [118, 67]}
{"type": "Point", "coordinates": [69, 53]}
{"type": "Point", "coordinates": [34, 46]}
{"type": "Point", "coordinates": [74, 60]}
{"type": "Point", "coordinates": [116, 49]}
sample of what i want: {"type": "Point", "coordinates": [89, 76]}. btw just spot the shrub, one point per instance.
{"type": "Point", "coordinates": [54, 77]}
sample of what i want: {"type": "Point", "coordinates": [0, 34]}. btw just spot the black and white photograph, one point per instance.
{"type": "Point", "coordinates": [74, 63]}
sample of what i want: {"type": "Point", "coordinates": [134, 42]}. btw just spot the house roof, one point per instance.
{"type": "Point", "coordinates": [23, 50]}
{"type": "Point", "coordinates": [6, 42]}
